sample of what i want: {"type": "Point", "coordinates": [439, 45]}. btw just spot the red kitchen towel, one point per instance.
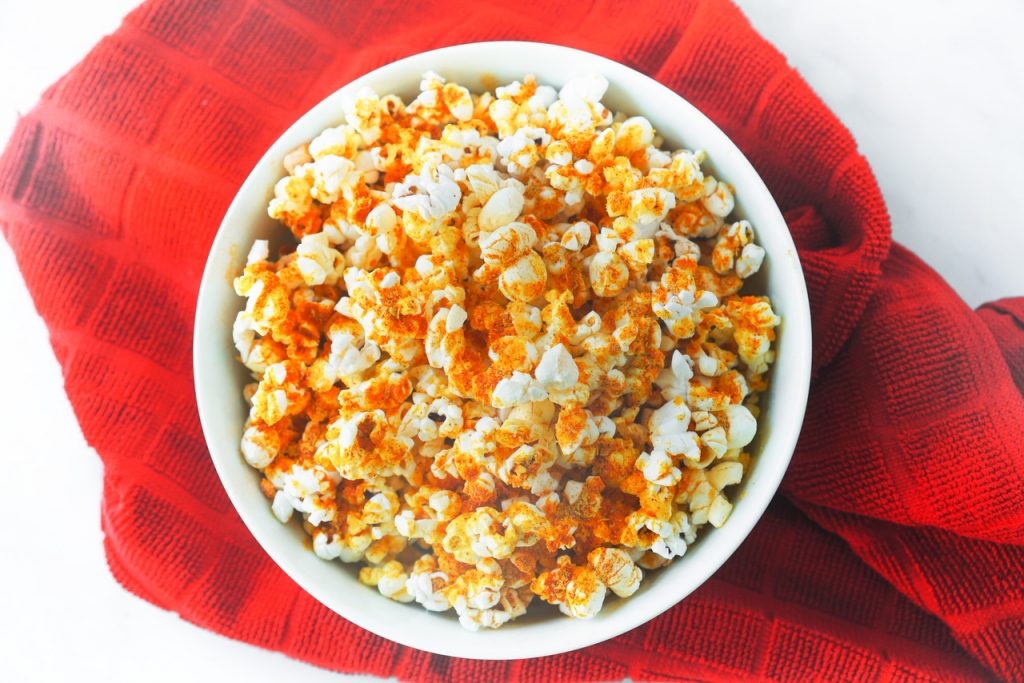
{"type": "Point", "coordinates": [895, 550]}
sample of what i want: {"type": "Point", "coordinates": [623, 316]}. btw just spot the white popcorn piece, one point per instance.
{"type": "Point", "coordinates": [507, 243]}
{"type": "Point", "coordinates": [725, 474]}
{"type": "Point", "coordinates": [718, 197]}
{"type": "Point", "coordinates": [740, 426]}
{"type": "Point", "coordinates": [524, 280]}
{"type": "Point", "coordinates": [635, 133]}
{"type": "Point", "coordinates": [584, 599]}
{"type": "Point", "coordinates": [577, 236]}
{"type": "Point", "coordinates": [317, 261]}
{"type": "Point", "coordinates": [421, 586]}
{"type": "Point", "coordinates": [669, 430]}
{"type": "Point", "coordinates": [648, 207]}
{"type": "Point", "coordinates": [683, 310]}
{"type": "Point", "coordinates": [390, 580]}
{"type": "Point", "coordinates": [281, 507]}
{"type": "Point", "coordinates": [307, 490]}
{"type": "Point", "coordinates": [255, 449]}
{"type": "Point", "coordinates": [750, 260]}
{"type": "Point", "coordinates": [719, 511]}
{"type": "Point", "coordinates": [438, 196]}
{"type": "Point", "coordinates": [383, 223]}
{"type": "Point", "coordinates": [458, 101]}
{"type": "Point", "coordinates": [339, 141]}
{"type": "Point", "coordinates": [589, 88]}
{"type": "Point", "coordinates": [516, 390]}
{"type": "Point", "coordinates": [557, 370]}
{"type": "Point", "coordinates": [714, 443]}
{"type": "Point", "coordinates": [436, 343]}
{"type": "Point", "coordinates": [520, 151]}
{"type": "Point", "coordinates": [608, 274]}
{"type": "Point", "coordinates": [658, 468]}
{"type": "Point", "coordinates": [349, 356]}
{"type": "Point", "coordinates": [502, 208]}
{"type": "Point", "coordinates": [616, 570]}
{"type": "Point", "coordinates": [578, 107]}
{"type": "Point", "coordinates": [259, 252]}
{"type": "Point", "coordinates": [672, 536]}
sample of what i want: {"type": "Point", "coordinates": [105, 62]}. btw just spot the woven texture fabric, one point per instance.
{"type": "Point", "coordinates": [895, 550]}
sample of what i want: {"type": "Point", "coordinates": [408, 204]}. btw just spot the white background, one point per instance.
{"type": "Point", "coordinates": [932, 90]}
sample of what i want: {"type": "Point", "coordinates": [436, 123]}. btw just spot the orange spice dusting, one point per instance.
{"type": "Point", "coordinates": [505, 318]}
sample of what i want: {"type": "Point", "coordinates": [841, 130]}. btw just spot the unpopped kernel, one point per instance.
{"type": "Point", "coordinates": [509, 355]}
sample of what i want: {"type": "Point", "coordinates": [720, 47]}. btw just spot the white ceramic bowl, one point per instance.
{"type": "Point", "coordinates": [219, 376]}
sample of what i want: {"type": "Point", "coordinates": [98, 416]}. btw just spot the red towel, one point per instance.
{"type": "Point", "coordinates": [895, 550]}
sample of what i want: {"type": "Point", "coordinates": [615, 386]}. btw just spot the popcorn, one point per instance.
{"type": "Point", "coordinates": [608, 274]}
{"type": "Point", "coordinates": [349, 356]}
{"type": "Point", "coordinates": [521, 151]}
{"type": "Point", "coordinates": [458, 101]}
{"type": "Point", "coordinates": [426, 585]}
{"type": "Point", "coordinates": [507, 243]}
{"type": "Point", "coordinates": [730, 245]}
{"type": "Point", "coordinates": [713, 444]}
{"type": "Point", "coordinates": [526, 467]}
{"type": "Point", "coordinates": [517, 390]}
{"type": "Point", "coordinates": [658, 468]}
{"type": "Point", "coordinates": [725, 474]}
{"type": "Point", "coordinates": [281, 392]}
{"type": "Point", "coordinates": [317, 261]}
{"type": "Point", "coordinates": [508, 356]}
{"type": "Point", "coordinates": [483, 600]}
{"type": "Point", "coordinates": [718, 393]}
{"type": "Point", "coordinates": [669, 430]}
{"type": "Point", "coordinates": [577, 236]}
{"type": "Point", "coordinates": [524, 280]}
{"type": "Point", "coordinates": [342, 141]}
{"type": "Point", "coordinates": [755, 324]}
{"type": "Point", "coordinates": [293, 202]}
{"type": "Point", "coordinates": [673, 536]}
{"type": "Point", "coordinates": [749, 260]}
{"type": "Point", "coordinates": [390, 579]}
{"type": "Point", "coordinates": [576, 428]}
{"type": "Point", "coordinates": [584, 595]}
{"type": "Point", "coordinates": [578, 591]}
{"type": "Point", "coordinates": [295, 158]}
{"type": "Point", "coordinates": [479, 534]}
{"type": "Point", "coordinates": [718, 197]}
{"type": "Point", "coordinates": [502, 207]}
{"type": "Point", "coordinates": [648, 207]}
{"type": "Point", "coordinates": [306, 489]}
{"type": "Point", "coordinates": [426, 200]}
{"type": "Point", "coordinates": [260, 445]}
{"type": "Point", "coordinates": [634, 134]}
{"type": "Point", "coordinates": [615, 568]}
{"type": "Point", "coordinates": [382, 222]}
{"type": "Point", "coordinates": [579, 108]}
{"type": "Point", "coordinates": [440, 343]}
{"type": "Point", "coordinates": [332, 176]}
{"type": "Point", "coordinates": [739, 425]}
{"type": "Point", "coordinates": [679, 301]}
{"type": "Point", "coordinates": [674, 381]}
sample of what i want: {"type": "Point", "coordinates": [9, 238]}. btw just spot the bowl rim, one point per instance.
{"type": "Point", "coordinates": [796, 333]}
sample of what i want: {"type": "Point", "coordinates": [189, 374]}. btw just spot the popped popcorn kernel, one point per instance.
{"type": "Point", "coordinates": [512, 351]}
{"type": "Point", "coordinates": [390, 579]}
{"type": "Point", "coordinates": [615, 568]}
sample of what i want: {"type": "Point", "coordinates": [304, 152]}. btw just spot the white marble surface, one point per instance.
{"type": "Point", "coordinates": [932, 90]}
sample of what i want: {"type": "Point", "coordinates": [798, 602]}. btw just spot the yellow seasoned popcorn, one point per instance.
{"type": "Point", "coordinates": [508, 355]}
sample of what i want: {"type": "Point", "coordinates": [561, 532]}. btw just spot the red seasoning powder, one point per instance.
{"type": "Point", "coordinates": [508, 356]}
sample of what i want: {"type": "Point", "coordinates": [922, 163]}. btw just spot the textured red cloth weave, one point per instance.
{"type": "Point", "coordinates": [895, 551]}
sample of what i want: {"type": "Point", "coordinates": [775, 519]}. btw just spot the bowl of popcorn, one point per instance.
{"type": "Point", "coordinates": [502, 350]}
